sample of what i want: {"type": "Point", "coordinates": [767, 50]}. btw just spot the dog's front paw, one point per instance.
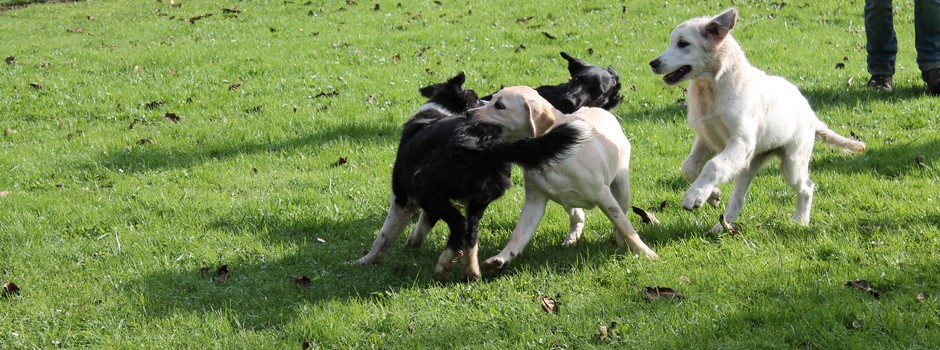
{"type": "Point", "coordinates": [694, 198]}
{"type": "Point", "coordinates": [495, 263]}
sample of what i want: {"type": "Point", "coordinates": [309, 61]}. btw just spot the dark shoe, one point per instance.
{"type": "Point", "coordinates": [881, 82]}
{"type": "Point", "coordinates": [932, 77]}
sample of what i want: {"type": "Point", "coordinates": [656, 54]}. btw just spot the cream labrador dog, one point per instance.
{"type": "Point", "coordinates": [595, 174]}
{"type": "Point", "coordinates": [741, 117]}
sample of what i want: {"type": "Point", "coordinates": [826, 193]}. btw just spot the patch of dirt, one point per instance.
{"type": "Point", "coordinates": [5, 8]}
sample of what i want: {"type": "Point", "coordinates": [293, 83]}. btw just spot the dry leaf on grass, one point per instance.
{"type": "Point", "coordinates": [728, 228]}
{"type": "Point", "coordinates": [222, 275]}
{"type": "Point", "coordinates": [922, 296]}
{"type": "Point", "coordinates": [36, 86]}
{"type": "Point", "coordinates": [10, 289]}
{"type": "Point", "coordinates": [549, 305]}
{"type": "Point", "coordinates": [145, 141]}
{"type": "Point", "coordinates": [662, 293]}
{"type": "Point", "coordinates": [133, 123]}
{"type": "Point", "coordinates": [10, 59]}
{"type": "Point", "coordinates": [232, 10]}
{"type": "Point", "coordinates": [605, 330]}
{"type": "Point", "coordinates": [865, 286]}
{"type": "Point", "coordinates": [302, 281]}
{"type": "Point", "coordinates": [549, 36]}
{"type": "Point", "coordinates": [338, 162]}
{"type": "Point", "coordinates": [172, 117]}
{"type": "Point", "coordinates": [648, 217]}
{"type": "Point", "coordinates": [9, 131]}
{"type": "Point", "coordinates": [235, 86]}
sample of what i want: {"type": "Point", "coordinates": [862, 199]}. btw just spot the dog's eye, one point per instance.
{"type": "Point", "coordinates": [682, 44]}
{"type": "Point", "coordinates": [499, 105]}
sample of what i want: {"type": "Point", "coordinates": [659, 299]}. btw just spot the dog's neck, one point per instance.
{"type": "Point", "coordinates": [728, 64]}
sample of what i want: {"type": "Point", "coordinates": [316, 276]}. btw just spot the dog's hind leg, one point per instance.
{"type": "Point", "coordinates": [471, 263]}
{"type": "Point", "coordinates": [458, 228]}
{"type": "Point", "coordinates": [421, 229]}
{"type": "Point", "coordinates": [625, 233]}
{"type": "Point", "coordinates": [575, 226]}
{"type": "Point", "coordinates": [795, 167]}
{"type": "Point", "coordinates": [738, 195]}
{"type": "Point", "coordinates": [532, 212]}
{"type": "Point", "coordinates": [692, 167]}
{"type": "Point", "coordinates": [398, 217]}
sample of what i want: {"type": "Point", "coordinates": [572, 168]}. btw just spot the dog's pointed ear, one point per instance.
{"type": "Point", "coordinates": [457, 80]}
{"type": "Point", "coordinates": [541, 116]}
{"type": "Point", "coordinates": [574, 64]}
{"type": "Point", "coordinates": [721, 25]}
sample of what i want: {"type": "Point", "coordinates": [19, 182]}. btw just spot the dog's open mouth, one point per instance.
{"type": "Point", "coordinates": [677, 75]}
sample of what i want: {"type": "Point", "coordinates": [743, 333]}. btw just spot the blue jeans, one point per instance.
{"type": "Point", "coordinates": [882, 44]}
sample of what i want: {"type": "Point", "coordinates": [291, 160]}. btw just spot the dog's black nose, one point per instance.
{"type": "Point", "coordinates": [654, 63]}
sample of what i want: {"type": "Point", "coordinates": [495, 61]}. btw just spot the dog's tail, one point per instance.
{"type": "Point", "coordinates": [555, 145]}
{"type": "Point", "coordinates": [826, 135]}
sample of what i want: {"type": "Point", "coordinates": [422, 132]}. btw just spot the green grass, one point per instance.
{"type": "Point", "coordinates": [106, 237]}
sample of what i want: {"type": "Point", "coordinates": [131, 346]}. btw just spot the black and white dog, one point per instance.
{"type": "Point", "coordinates": [445, 157]}
{"type": "Point", "coordinates": [590, 86]}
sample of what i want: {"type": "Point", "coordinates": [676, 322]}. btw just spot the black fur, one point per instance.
{"type": "Point", "coordinates": [444, 156]}
{"type": "Point", "coordinates": [590, 86]}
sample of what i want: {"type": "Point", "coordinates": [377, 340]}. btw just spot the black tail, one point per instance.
{"type": "Point", "coordinates": [557, 144]}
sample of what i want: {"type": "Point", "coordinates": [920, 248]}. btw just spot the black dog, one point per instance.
{"type": "Point", "coordinates": [444, 156]}
{"type": "Point", "coordinates": [590, 86]}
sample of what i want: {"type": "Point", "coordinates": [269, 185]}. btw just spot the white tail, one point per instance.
{"type": "Point", "coordinates": [826, 135]}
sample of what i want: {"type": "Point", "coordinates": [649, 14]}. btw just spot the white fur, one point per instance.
{"type": "Point", "coordinates": [741, 116]}
{"type": "Point", "coordinates": [596, 174]}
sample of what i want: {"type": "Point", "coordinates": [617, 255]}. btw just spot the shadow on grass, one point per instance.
{"type": "Point", "coordinates": [260, 294]}
{"type": "Point", "coordinates": [156, 158]}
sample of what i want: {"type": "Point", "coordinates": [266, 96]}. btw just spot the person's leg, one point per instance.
{"type": "Point", "coordinates": [927, 42]}
{"type": "Point", "coordinates": [882, 45]}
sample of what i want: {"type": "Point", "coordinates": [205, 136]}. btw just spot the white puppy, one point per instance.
{"type": "Point", "coordinates": [596, 174]}
{"type": "Point", "coordinates": [741, 117]}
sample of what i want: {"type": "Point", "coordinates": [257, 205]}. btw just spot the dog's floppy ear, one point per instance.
{"type": "Point", "coordinates": [613, 72]}
{"type": "Point", "coordinates": [541, 116]}
{"type": "Point", "coordinates": [721, 25]}
{"type": "Point", "coordinates": [574, 64]}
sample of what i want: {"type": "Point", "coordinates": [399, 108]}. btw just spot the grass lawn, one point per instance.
{"type": "Point", "coordinates": [147, 143]}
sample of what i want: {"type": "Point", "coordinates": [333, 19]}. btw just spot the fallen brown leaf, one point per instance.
{"type": "Point", "coordinates": [371, 99]}
{"type": "Point", "coordinates": [396, 58]}
{"type": "Point", "coordinates": [231, 10]}
{"type": "Point", "coordinates": [605, 330]}
{"type": "Point", "coordinates": [662, 293]}
{"type": "Point", "coordinates": [10, 289]}
{"type": "Point", "coordinates": [302, 281]}
{"type": "Point", "coordinates": [922, 296]}
{"type": "Point", "coordinates": [662, 206]}
{"type": "Point", "coordinates": [75, 30]}
{"type": "Point", "coordinates": [845, 58]}
{"type": "Point", "coordinates": [549, 305]}
{"type": "Point", "coordinates": [172, 117]}
{"type": "Point", "coordinates": [648, 217]}
{"type": "Point", "coordinates": [549, 36]}
{"type": "Point", "coordinates": [327, 94]}
{"type": "Point", "coordinates": [724, 223]}
{"type": "Point", "coordinates": [44, 65]}
{"type": "Point", "coordinates": [194, 19]}
{"type": "Point", "coordinates": [520, 48]}
{"type": "Point", "coordinates": [338, 162]}
{"type": "Point", "coordinates": [305, 345]}
{"type": "Point", "coordinates": [222, 275]}
{"type": "Point", "coordinates": [849, 82]}
{"type": "Point", "coordinates": [523, 20]}
{"type": "Point", "coordinates": [840, 65]}
{"type": "Point", "coordinates": [153, 104]}
{"type": "Point", "coordinates": [36, 86]}
{"type": "Point", "coordinates": [10, 59]}
{"type": "Point", "coordinates": [145, 141]}
{"type": "Point", "coordinates": [865, 286]}
{"type": "Point", "coordinates": [9, 131]}
{"type": "Point", "coordinates": [133, 123]}
{"type": "Point", "coordinates": [235, 86]}
{"type": "Point", "coordinates": [376, 8]}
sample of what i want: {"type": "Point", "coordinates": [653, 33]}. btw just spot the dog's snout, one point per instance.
{"type": "Point", "coordinates": [655, 64]}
